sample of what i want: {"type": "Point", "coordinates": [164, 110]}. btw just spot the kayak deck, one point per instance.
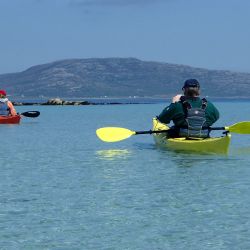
{"type": "Point", "coordinates": [10, 119]}
{"type": "Point", "coordinates": [209, 145]}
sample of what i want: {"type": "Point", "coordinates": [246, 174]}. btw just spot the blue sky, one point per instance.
{"type": "Point", "coordinates": [211, 34]}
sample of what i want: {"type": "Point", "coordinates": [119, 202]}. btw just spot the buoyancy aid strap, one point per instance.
{"type": "Point", "coordinates": [204, 103]}
{"type": "Point", "coordinates": [185, 104]}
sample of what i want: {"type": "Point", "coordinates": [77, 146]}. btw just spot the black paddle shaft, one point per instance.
{"type": "Point", "coordinates": [167, 130]}
{"type": "Point", "coordinates": [151, 132]}
{"type": "Point", "coordinates": [217, 128]}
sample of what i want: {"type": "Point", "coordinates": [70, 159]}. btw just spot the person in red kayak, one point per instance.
{"type": "Point", "coordinates": [6, 106]}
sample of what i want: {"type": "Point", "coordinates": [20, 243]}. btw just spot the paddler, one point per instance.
{"type": "Point", "coordinates": [191, 115]}
{"type": "Point", "coordinates": [6, 106]}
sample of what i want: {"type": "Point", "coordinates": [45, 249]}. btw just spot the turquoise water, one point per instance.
{"type": "Point", "coordinates": [62, 188]}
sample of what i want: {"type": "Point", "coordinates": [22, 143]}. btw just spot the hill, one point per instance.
{"type": "Point", "coordinates": [119, 77]}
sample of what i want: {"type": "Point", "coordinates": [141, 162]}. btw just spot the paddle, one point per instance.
{"type": "Point", "coordinates": [238, 128]}
{"type": "Point", "coordinates": [32, 114]}
{"type": "Point", "coordinates": [114, 134]}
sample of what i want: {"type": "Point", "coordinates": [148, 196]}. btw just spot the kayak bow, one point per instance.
{"type": "Point", "coordinates": [10, 119]}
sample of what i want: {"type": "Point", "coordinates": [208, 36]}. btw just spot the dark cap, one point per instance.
{"type": "Point", "coordinates": [191, 83]}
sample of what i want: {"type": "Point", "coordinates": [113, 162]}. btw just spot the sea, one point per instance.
{"type": "Point", "coordinates": [62, 188]}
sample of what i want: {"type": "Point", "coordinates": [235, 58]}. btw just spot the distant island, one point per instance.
{"type": "Point", "coordinates": [119, 77]}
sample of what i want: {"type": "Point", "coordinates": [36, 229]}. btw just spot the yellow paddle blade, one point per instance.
{"type": "Point", "coordinates": [240, 128]}
{"type": "Point", "coordinates": [113, 134]}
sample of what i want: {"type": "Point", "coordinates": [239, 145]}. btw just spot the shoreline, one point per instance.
{"type": "Point", "coordinates": [115, 101]}
{"type": "Point", "coordinates": [58, 101]}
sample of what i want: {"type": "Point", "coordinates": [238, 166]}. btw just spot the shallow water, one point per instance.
{"type": "Point", "coordinates": [62, 188]}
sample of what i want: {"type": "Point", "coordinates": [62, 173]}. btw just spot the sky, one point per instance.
{"type": "Point", "coordinates": [212, 34]}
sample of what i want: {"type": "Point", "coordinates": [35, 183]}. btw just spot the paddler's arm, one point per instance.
{"type": "Point", "coordinates": [216, 114]}
{"type": "Point", "coordinates": [212, 114]}
{"type": "Point", "coordinates": [12, 109]}
{"type": "Point", "coordinates": [167, 114]}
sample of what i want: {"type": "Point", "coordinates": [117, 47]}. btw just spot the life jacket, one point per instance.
{"type": "Point", "coordinates": [195, 119]}
{"type": "Point", "coordinates": [4, 109]}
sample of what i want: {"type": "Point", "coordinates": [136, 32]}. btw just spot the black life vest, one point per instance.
{"type": "Point", "coordinates": [195, 119]}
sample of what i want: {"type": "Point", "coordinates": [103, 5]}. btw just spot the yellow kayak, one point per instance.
{"type": "Point", "coordinates": [210, 145]}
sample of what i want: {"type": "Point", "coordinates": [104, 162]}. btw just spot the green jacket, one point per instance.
{"type": "Point", "coordinates": [174, 112]}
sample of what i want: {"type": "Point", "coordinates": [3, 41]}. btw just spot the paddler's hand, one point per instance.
{"type": "Point", "coordinates": [176, 98]}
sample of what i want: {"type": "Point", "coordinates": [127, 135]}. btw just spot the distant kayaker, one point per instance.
{"type": "Point", "coordinates": [190, 114]}
{"type": "Point", "coordinates": [6, 106]}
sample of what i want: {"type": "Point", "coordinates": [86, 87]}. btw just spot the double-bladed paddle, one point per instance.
{"type": "Point", "coordinates": [32, 114]}
{"type": "Point", "coordinates": [114, 134]}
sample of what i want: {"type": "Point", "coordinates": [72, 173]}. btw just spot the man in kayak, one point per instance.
{"type": "Point", "coordinates": [191, 115]}
{"type": "Point", "coordinates": [6, 107]}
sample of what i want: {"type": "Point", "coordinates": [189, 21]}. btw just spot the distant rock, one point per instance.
{"type": "Point", "coordinates": [53, 101]}
{"type": "Point", "coordinates": [58, 101]}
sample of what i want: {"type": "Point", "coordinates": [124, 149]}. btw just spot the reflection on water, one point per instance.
{"type": "Point", "coordinates": [194, 159]}
{"type": "Point", "coordinates": [113, 154]}
{"type": "Point", "coordinates": [187, 163]}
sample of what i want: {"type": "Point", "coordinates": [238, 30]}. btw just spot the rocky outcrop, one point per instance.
{"type": "Point", "coordinates": [58, 101]}
{"type": "Point", "coordinates": [55, 101]}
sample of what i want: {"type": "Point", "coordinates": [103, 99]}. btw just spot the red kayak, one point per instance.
{"type": "Point", "coordinates": [10, 119]}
